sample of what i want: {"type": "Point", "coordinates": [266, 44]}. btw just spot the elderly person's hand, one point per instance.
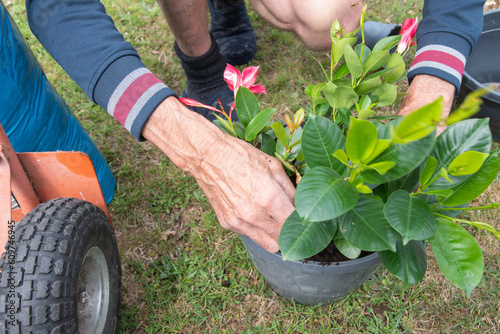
{"type": "Point", "coordinates": [425, 89]}
{"type": "Point", "coordinates": [249, 191]}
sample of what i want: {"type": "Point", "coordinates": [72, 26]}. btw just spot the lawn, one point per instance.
{"type": "Point", "coordinates": [183, 273]}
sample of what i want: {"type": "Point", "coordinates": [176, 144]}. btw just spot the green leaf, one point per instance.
{"type": "Point", "coordinates": [352, 61]}
{"type": "Point", "coordinates": [386, 94]}
{"type": "Point", "coordinates": [387, 43]}
{"type": "Point", "coordinates": [458, 255]}
{"type": "Point", "coordinates": [421, 122]}
{"type": "Point", "coordinates": [341, 72]}
{"type": "Point", "coordinates": [322, 195]}
{"type": "Point", "coordinates": [429, 169]}
{"type": "Point", "coordinates": [335, 31]}
{"type": "Point", "coordinates": [299, 240]}
{"type": "Point", "coordinates": [398, 64]}
{"type": "Point", "coordinates": [338, 48]}
{"type": "Point", "coordinates": [407, 157]}
{"type": "Point", "coordinates": [247, 105]}
{"type": "Point", "coordinates": [408, 263]}
{"type": "Point", "coordinates": [360, 140]}
{"type": "Point", "coordinates": [469, 107]}
{"type": "Point", "coordinates": [476, 184]}
{"type": "Point", "coordinates": [365, 102]}
{"type": "Point", "coordinates": [258, 123]}
{"type": "Point", "coordinates": [239, 129]}
{"type": "Point", "coordinates": [366, 227]}
{"type": "Point", "coordinates": [467, 163]}
{"type": "Point", "coordinates": [410, 216]}
{"type": "Point", "coordinates": [225, 125]}
{"type": "Point", "coordinates": [468, 135]}
{"type": "Point", "coordinates": [342, 156]}
{"type": "Point", "coordinates": [280, 132]}
{"type": "Point", "coordinates": [376, 60]}
{"type": "Point", "coordinates": [339, 96]}
{"type": "Point", "coordinates": [368, 85]}
{"type": "Point", "coordinates": [365, 113]}
{"type": "Point", "coordinates": [320, 139]}
{"type": "Point", "coordinates": [346, 248]}
{"type": "Point", "coordinates": [381, 167]}
{"type": "Point", "coordinates": [268, 144]}
{"type": "Point", "coordinates": [285, 163]}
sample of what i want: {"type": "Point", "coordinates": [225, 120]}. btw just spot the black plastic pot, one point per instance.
{"type": "Point", "coordinates": [483, 68]}
{"type": "Point", "coordinates": [310, 283]}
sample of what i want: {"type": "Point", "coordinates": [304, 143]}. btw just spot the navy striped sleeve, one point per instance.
{"type": "Point", "coordinates": [445, 38]}
{"type": "Point", "coordinates": [83, 39]}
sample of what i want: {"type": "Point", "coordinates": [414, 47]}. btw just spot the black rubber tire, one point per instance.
{"type": "Point", "coordinates": [41, 290]}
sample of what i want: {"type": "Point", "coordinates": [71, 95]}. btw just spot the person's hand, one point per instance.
{"type": "Point", "coordinates": [425, 89]}
{"type": "Point", "coordinates": [249, 191]}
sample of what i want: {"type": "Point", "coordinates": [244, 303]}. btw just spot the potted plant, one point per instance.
{"type": "Point", "coordinates": [379, 187]}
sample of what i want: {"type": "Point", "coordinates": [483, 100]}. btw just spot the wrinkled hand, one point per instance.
{"type": "Point", "coordinates": [425, 89]}
{"type": "Point", "coordinates": [248, 190]}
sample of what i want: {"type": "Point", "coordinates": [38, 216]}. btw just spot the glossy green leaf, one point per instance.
{"type": "Point", "coordinates": [387, 43]}
{"type": "Point", "coordinates": [299, 240]}
{"type": "Point", "coordinates": [410, 216]}
{"type": "Point", "coordinates": [376, 60]}
{"type": "Point", "coordinates": [224, 125]}
{"type": "Point", "coordinates": [340, 96]}
{"type": "Point", "coordinates": [398, 64]}
{"type": "Point", "coordinates": [268, 144]}
{"type": "Point", "coordinates": [258, 123]}
{"type": "Point", "coordinates": [360, 140]}
{"type": "Point", "coordinates": [322, 195]}
{"type": "Point", "coordinates": [429, 169]}
{"type": "Point", "coordinates": [386, 94]}
{"type": "Point", "coordinates": [366, 227]}
{"type": "Point", "coordinates": [352, 61]}
{"type": "Point", "coordinates": [365, 113]}
{"type": "Point", "coordinates": [367, 86]}
{"type": "Point", "coordinates": [346, 248]}
{"type": "Point", "coordinates": [468, 135]}
{"type": "Point", "coordinates": [364, 102]}
{"type": "Point", "coordinates": [338, 48]}
{"type": "Point", "coordinates": [476, 184]}
{"type": "Point", "coordinates": [341, 72]}
{"type": "Point", "coordinates": [239, 129]}
{"type": "Point", "coordinates": [320, 139]}
{"type": "Point", "coordinates": [381, 167]}
{"type": "Point", "coordinates": [380, 146]}
{"type": "Point", "coordinates": [280, 132]}
{"type": "Point", "coordinates": [408, 182]}
{"type": "Point", "coordinates": [469, 107]}
{"type": "Point", "coordinates": [421, 122]}
{"type": "Point", "coordinates": [342, 156]}
{"type": "Point", "coordinates": [467, 163]}
{"type": "Point", "coordinates": [407, 157]}
{"type": "Point", "coordinates": [247, 105]}
{"type": "Point", "coordinates": [458, 255]}
{"type": "Point", "coordinates": [408, 263]}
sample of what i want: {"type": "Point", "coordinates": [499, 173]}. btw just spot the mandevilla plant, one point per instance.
{"type": "Point", "coordinates": [388, 187]}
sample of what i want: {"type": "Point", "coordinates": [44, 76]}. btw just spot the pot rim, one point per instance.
{"type": "Point", "coordinates": [469, 81]}
{"type": "Point", "coordinates": [363, 261]}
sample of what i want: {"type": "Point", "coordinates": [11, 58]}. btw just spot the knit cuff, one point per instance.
{"type": "Point", "coordinates": [442, 55]}
{"type": "Point", "coordinates": [130, 93]}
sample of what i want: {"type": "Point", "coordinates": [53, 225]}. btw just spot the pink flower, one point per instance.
{"type": "Point", "coordinates": [408, 30]}
{"type": "Point", "coordinates": [235, 79]}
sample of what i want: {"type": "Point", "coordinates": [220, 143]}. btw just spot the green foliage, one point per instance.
{"type": "Point", "coordinates": [342, 154]}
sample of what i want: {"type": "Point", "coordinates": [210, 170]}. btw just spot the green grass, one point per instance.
{"type": "Point", "coordinates": [182, 273]}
